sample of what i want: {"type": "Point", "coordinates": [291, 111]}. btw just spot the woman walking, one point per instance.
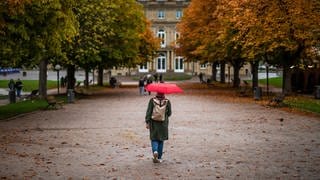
{"type": "Point", "coordinates": [157, 121]}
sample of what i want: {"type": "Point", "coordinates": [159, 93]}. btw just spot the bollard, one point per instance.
{"type": "Point", "coordinates": [257, 93]}
{"type": "Point", "coordinates": [70, 95]}
{"type": "Point", "coordinates": [317, 92]}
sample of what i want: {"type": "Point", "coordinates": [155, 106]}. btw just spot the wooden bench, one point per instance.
{"type": "Point", "coordinates": [52, 102]}
{"type": "Point", "coordinates": [277, 100]}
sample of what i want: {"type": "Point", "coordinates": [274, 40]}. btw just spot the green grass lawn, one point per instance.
{"type": "Point", "coordinates": [22, 107]}
{"type": "Point", "coordinates": [304, 104]}
{"type": "Point", "coordinates": [176, 77]}
{"type": "Point", "coordinates": [29, 85]}
{"type": "Point", "coordinates": [299, 102]}
{"type": "Point", "coordinates": [276, 82]}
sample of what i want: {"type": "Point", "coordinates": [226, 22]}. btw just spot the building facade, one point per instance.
{"type": "Point", "coordinates": [164, 16]}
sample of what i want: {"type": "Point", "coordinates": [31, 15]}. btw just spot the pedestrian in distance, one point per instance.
{"type": "Point", "coordinates": [62, 83]}
{"type": "Point", "coordinates": [12, 91]}
{"type": "Point", "coordinates": [19, 87]}
{"type": "Point", "coordinates": [157, 121]}
{"type": "Point", "coordinates": [201, 77]}
{"type": "Point", "coordinates": [141, 85]}
{"type": "Point", "coordinates": [161, 78]}
{"type": "Point", "coordinates": [113, 82]}
{"type": "Point", "coordinates": [155, 76]}
{"type": "Point", "coordinates": [11, 85]}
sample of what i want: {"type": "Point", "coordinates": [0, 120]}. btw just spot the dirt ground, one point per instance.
{"type": "Point", "coordinates": [211, 137]}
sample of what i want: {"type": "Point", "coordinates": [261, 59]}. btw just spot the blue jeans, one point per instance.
{"type": "Point", "coordinates": [157, 145]}
{"type": "Point", "coordinates": [141, 90]}
{"type": "Point", "coordinates": [18, 92]}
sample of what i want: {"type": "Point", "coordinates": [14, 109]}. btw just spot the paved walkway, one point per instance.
{"type": "Point", "coordinates": [211, 137]}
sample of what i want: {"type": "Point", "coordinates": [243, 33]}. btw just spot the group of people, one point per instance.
{"type": "Point", "coordinates": [113, 82]}
{"type": "Point", "coordinates": [16, 86]}
{"type": "Point", "coordinates": [148, 79]}
{"type": "Point", "coordinates": [63, 81]}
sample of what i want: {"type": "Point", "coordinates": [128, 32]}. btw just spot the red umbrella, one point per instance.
{"type": "Point", "coordinates": [165, 88]}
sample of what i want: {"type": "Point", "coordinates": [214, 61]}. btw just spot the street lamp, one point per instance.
{"type": "Point", "coordinates": [57, 68]}
{"type": "Point", "coordinates": [267, 74]}
{"type": "Point", "coordinates": [229, 74]}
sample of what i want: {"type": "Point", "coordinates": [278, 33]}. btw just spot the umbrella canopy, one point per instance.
{"type": "Point", "coordinates": [165, 88]}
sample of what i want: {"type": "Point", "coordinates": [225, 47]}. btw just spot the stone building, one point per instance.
{"type": "Point", "coordinates": [164, 16]}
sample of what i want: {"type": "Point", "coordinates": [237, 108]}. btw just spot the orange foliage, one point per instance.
{"type": "Point", "coordinates": [256, 26]}
{"type": "Point", "coordinates": [149, 43]}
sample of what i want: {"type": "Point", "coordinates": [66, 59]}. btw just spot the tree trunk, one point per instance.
{"type": "Point", "coordinates": [93, 79]}
{"type": "Point", "coordinates": [86, 81]}
{"type": "Point", "coordinates": [286, 85]}
{"type": "Point", "coordinates": [236, 79]}
{"type": "Point", "coordinates": [223, 72]}
{"type": "Point", "coordinates": [214, 71]}
{"type": "Point", "coordinates": [100, 76]}
{"type": "Point", "coordinates": [43, 78]}
{"type": "Point", "coordinates": [254, 70]}
{"type": "Point", "coordinates": [237, 64]}
{"type": "Point", "coordinates": [71, 80]}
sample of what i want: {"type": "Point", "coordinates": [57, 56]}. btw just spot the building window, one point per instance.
{"type": "Point", "coordinates": [177, 36]}
{"type": "Point", "coordinates": [178, 14]}
{"type": "Point", "coordinates": [178, 64]}
{"type": "Point", "coordinates": [203, 66]}
{"type": "Point", "coordinates": [143, 67]}
{"type": "Point", "coordinates": [161, 14]}
{"type": "Point", "coordinates": [162, 35]}
{"type": "Point", "coordinates": [161, 63]}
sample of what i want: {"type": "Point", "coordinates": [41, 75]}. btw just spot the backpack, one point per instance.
{"type": "Point", "coordinates": [159, 109]}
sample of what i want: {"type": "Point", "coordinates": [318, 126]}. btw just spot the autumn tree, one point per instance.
{"type": "Point", "coordinates": [148, 45]}
{"type": "Point", "coordinates": [196, 29]}
{"type": "Point", "coordinates": [280, 32]}
{"type": "Point", "coordinates": [110, 35]}
{"type": "Point", "coordinates": [11, 30]}
{"type": "Point", "coordinates": [34, 32]}
{"type": "Point", "coordinates": [122, 46]}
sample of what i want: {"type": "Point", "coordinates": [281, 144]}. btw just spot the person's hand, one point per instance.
{"type": "Point", "coordinates": [147, 126]}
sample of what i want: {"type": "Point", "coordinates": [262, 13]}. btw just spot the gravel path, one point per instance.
{"type": "Point", "coordinates": [104, 137]}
